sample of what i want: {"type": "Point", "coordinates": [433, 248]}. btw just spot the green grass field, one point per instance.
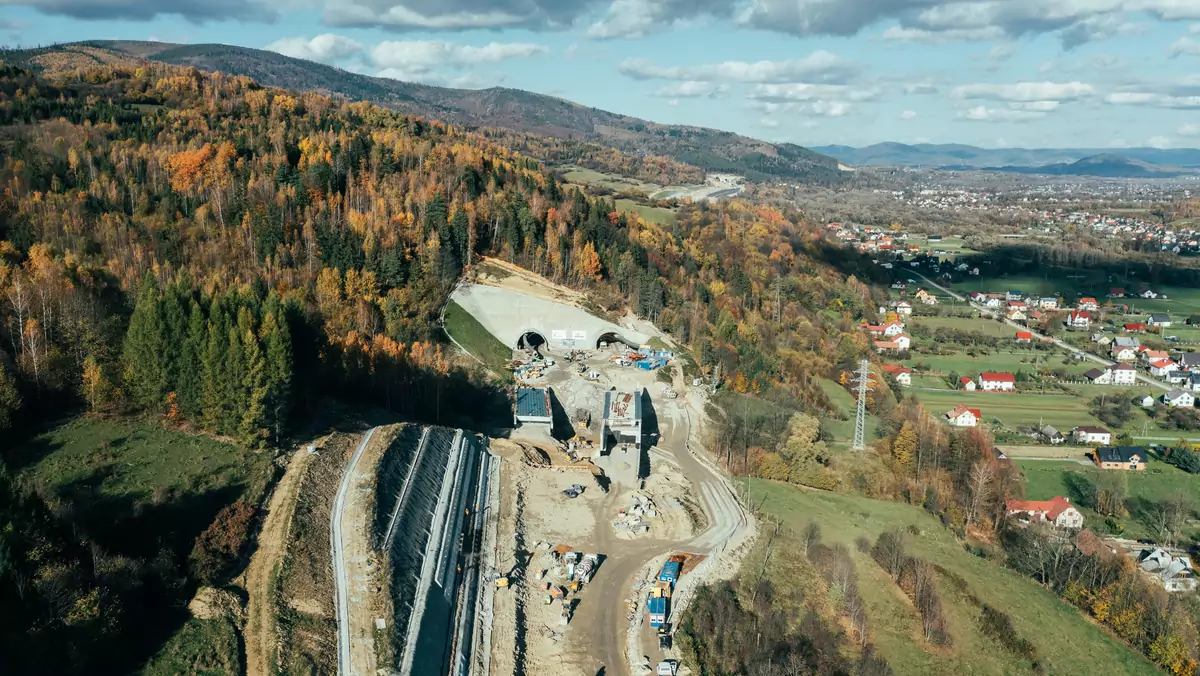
{"type": "Point", "coordinates": [976, 325]}
{"type": "Point", "coordinates": [1159, 481]}
{"type": "Point", "coordinates": [659, 215]}
{"type": "Point", "coordinates": [1065, 412]}
{"type": "Point", "coordinates": [1009, 361]}
{"type": "Point", "coordinates": [1066, 642]}
{"type": "Point", "coordinates": [475, 339]}
{"type": "Point", "coordinates": [584, 176]}
{"type": "Point", "coordinates": [201, 648]}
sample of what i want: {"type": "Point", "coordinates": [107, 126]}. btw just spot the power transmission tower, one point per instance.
{"type": "Point", "coordinates": [863, 378]}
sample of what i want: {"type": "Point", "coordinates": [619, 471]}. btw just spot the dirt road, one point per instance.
{"type": "Point", "coordinates": [348, 540]}
{"type": "Point", "coordinates": [260, 632]}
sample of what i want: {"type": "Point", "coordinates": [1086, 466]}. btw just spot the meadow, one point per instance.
{"type": "Point", "coordinates": [842, 431]}
{"type": "Point", "coordinates": [477, 340]}
{"type": "Point", "coordinates": [1064, 412]}
{"type": "Point", "coordinates": [1065, 641]}
{"type": "Point", "coordinates": [1004, 360]}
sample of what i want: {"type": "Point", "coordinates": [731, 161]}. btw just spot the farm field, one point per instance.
{"type": "Point", "coordinates": [1009, 361]}
{"type": "Point", "coordinates": [660, 215]}
{"type": "Point", "coordinates": [1159, 481]}
{"type": "Point", "coordinates": [1066, 643]}
{"type": "Point", "coordinates": [617, 183]}
{"type": "Point", "coordinates": [1014, 410]}
{"type": "Point", "coordinates": [1073, 284]}
{"type": "Point", "coordinates": [977, 325]}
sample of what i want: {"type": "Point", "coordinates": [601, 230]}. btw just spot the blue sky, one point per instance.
{"type": "Point", "coordinates": [1030, 73]}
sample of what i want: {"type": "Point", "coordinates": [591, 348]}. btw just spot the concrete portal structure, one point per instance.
{"type": "Point", "coordinates": [511, 315]}
{"type": "Point", "coordinates": [622, 421]}
{"type": "Point", "coordinates": [533, 405]}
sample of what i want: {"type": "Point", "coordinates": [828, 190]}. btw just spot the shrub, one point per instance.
{"type": "Point", "coordinates": [998, 625]}
{"type": "Point", "coordinates": [219, 548]}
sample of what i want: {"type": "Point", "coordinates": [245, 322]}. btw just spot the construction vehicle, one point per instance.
{"type": "Point", "coordinates": [667, 668]}
{"type": "Point", "coordinates": [502, 582]}
{"type": "Point", "coordinates": [587, 567]}
{"type": "Point", "coordinates": [664, 637]}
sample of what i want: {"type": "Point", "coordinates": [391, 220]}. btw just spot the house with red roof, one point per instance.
{"type": "Point", "coordinates": [966, 384]}
{"type": "Point", "coordinates": [1080, 319]}
{"type": "Point", "coordinates": [997, 382]}
{"type": "Point", "coordinates": [903, 374]}
{"type": "Point", "coordinates": [1135, 328]}
{"type": "Point", "coordinates": [1057, 511]}
{"type": "Point", "coordinates": [1024, 336]}
{"type": "Point", "coordinates": [961, 416]}
{"type": "Point", "coordinates": [1088, 303]}
{"type": "Point", "coordinates": [1161, 368]}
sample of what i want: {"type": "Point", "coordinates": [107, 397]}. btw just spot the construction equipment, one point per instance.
{"type": "Point", "coordinates": [574, 491]}
{"type": "Point", "coordinates": [667, 668]}
{"type": "Point", "coordinates": [502, 582]}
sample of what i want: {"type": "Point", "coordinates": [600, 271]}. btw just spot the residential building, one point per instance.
{"type": "Point", "coordinates": [1149, 355]}
{"type": "Point", "coordinates": [1088, 304]}
{"type": "Point", "coordinates": [1122, 374]}
{"type": "Point", "coordinates": [1149, 295]}
{"type": "Point", "coordinates": [1188, 360]}
{"type": "Point", "coordinates": [903, 308]}
{"type": "Point", "coordinates": [1013, 295]}
{"type": "Point", "coordinates": [1122, 353]}
{"type": "Point", "coordinates": [1098, 376]}
{"type": "Point", "coordinates": [1024, 337]}
{"type": "Point", "coordinates": [893, 328]}
{"type": "Point", "coordinates": [1160, 368]}
{"type": "Point", "coordinates": [978, 297]}
{"type": "Point", "coordinates": [1173, 573]}
{"type": "Point", "coordinates": [1048, 303]}
{"type": "Point", "coordinates": [997, 382]}
{"type": "Point", "coordinates": [1016, 314]}
{"type": "Point", "coordinates": [992, 302]}
{"type": "Point", "coordinates": [1159, 321]}
{"type": "Point", "coordinates": [1052, 435]}
{"type": "Point", "coordinates": [1179, 398]}
{"type": "Point", "coordinates": [1080, 319]}
{"type": "Point", "coordinates": [1101, 339]}
{"type": "Point", "coordinates": [961, 416]}
{"type": "Point", "coordinates": [902, 374]}
{"type": "Point", "coordinates": [1178, 377]}
{"type": "Point", "coordinates": [1127, 341]}
{"type": "Point", "coordinates": [1116, 293]}
{"type": "Point", "coordinates": [1193, 381]}
{"type": "Point", "coordinates": [1145, 401]}
{"type": "Point", "coordinates": [1057, 511]}
{"type": "Point", "coordinates": [1135, 328]}
{"type": "Point", "coordinates": [1120, 457]}
{"type": "Point", "coordinates": [1092, 435]}
{"type": "Point", "coordinates": [966, 384]}
{"type": "Point", "coordinates": [1000, 456]}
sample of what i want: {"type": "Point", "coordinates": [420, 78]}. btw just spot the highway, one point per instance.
{"type": "Point", "coordinates": [341, 591]}
{"type": "Point", "coordinates": [986, 312]}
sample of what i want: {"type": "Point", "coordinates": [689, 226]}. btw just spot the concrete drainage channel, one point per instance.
{"type": "Point", "coordinates": [432, 484]}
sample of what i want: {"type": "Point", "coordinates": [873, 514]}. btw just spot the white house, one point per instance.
{"type": "Point", "coordinates": [1088, 304]}
{"type": "Point", "coordinates": [1057, 511]}
{"type": "Point", "coordinates": [1148, 294]}
{"type": "Point", "coordinates": [1162, 367]}
{"type": "Point", "coordinates": [1123, 353]}
{"type": "Point", "coordinates": [1080, 319]}
{"type": "Point", "coordinates": [1175, 574]}
{"type": "Point", "coordinates": [902, 341]}
{"type": "Point", "coordinates": [966, 384]}
{"type": "Point", "coordinates": [1179, 398]}
{"type": "Point", "coordinates": [893, 328]}
{"type": "Point", "coordinates": [1048, 303]}
{"type": "Point", "coordinates": [992, 302]}
{"type": "Point", "coordinates": [902, 374]}
{"type": "Point", "coordinates": [903, 308]}
{"type": "Point", "coordinates": [1098, 376]}
{"type": "Point", "coordinates": [1096, 436]}
{"type": "Point", "coordinates": [1122, 374]}
{"type": "Point", "coordinates": [1159, 321]}
{"type": "Point", "coordinates": [961, 416]}
{"type": "Point", "coordinates": [997, 382]}
{"type": "Point", "coordinates": [1145, 401]}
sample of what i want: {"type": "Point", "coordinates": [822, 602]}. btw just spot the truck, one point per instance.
{"type": "Point", "coordinates": [657, 606]}
{"type": "Point", "coordinates": [670, 572]}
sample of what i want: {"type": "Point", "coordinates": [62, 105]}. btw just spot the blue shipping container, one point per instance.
{"type": "Point", "coordinates": [670, 572]}
{"type": "Point", "coordinates": [658, 610]}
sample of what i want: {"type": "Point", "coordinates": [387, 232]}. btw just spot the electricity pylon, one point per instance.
{"type": "Point", "coordinates": [863, 378]}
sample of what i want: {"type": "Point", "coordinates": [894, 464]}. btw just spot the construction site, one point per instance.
{"type": "Point", "coordinates": [593, 503]}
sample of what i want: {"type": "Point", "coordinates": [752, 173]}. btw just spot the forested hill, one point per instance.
{"type": "Point", "coordinates": [500, 108]}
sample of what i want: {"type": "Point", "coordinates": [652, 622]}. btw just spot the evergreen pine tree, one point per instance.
{"type": "Point", "coordinates": [175, 326]}
{"type": "Point", "coordinates": [145, 369]}
{"type": "Point", "coordinates": [252, 428]}
{"type": "Point", "coordinates": [10, 397]}
{"type": "Point", "coordinates": [216, 350]}
{"type": "Point", "coordinates": [277, 340]}
{"type": "Point", "coordinates": [190, 376]}
{"type": "Point", "coordinates": [232, 386]}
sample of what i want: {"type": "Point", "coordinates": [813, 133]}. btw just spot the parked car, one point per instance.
{"type": "Point", "coordinates": [667, 668]}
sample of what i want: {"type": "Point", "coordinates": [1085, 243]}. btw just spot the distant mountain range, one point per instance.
{"type": "Point", "coordinates": [1111, 163]}
{"type": "Point", "coordinates": [498, 107]}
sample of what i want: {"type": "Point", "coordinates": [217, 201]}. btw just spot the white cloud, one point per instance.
{"type": "Point", "coordinates": [1185, 46]}
{"type": "Point", "coordinates": [428, 55]}
{"type": "Point", "coordinates": [324, 47]}
{"type": "Point", "coordinates": [692, 89]}
{"type": "Point", "coordinates": [812, 92]}
{"type": "Point", "coordinates": [819, 108]}
{"type": "Point", "coordinates": [928, 37]}
{"type": "Point", "coordinates": [1025, 91]}
{"type": "Point", "coordinates": [1194, 29]}
{"type": "Point", "coordinates": [985, 114]}
{"type": "Point", "coordinates": [1154, 100]}
{"type": "Point", "coordinates": [673, 102]}
{"type": "Point", "coordinates": [1035, 106]}
{"type": "Point", "coordinates": [1159, 142]}
{"type": "Point", "coordinates": [1189, 130]}
{"type": "Point", "coordinates": [820, 66]}
{"type": "Point", "coordinates": [908, 115]}
{"type": "Point", "coordinates": [921, 88]}
{"type": "Point", "coordinates": [768, 123]}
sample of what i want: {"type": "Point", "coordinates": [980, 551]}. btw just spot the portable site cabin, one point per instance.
{"type": "Point", "coordinates": [533, 405]}
{"type": "Point", "coordinates": [657, 605]}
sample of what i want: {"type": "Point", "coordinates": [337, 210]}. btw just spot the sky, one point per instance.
{"type": "Point", "coordinates": [993, 73]}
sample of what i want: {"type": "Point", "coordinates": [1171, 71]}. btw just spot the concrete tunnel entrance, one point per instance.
{"type": "Point", "coordinates": [610, 338]}
{"type": "Point", "coordinates": [531, 340]}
